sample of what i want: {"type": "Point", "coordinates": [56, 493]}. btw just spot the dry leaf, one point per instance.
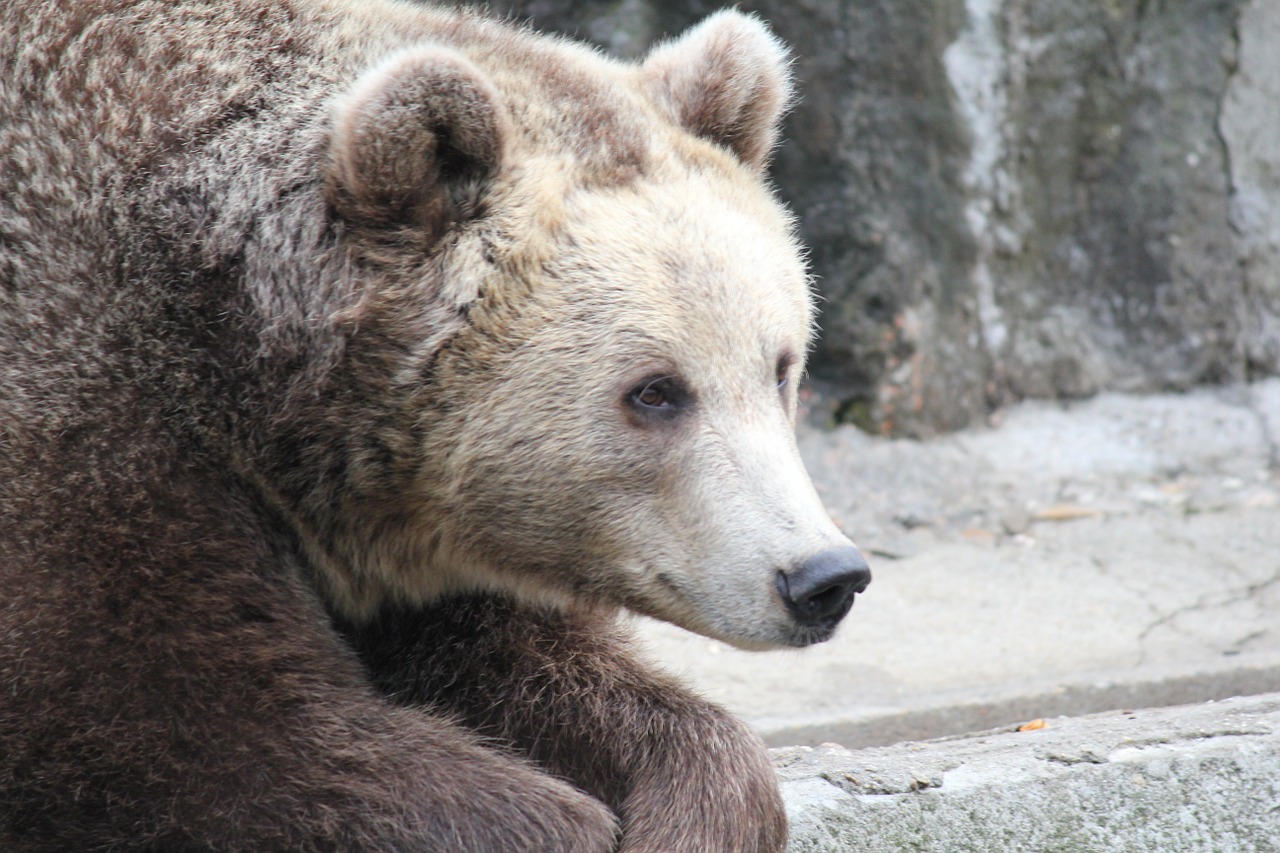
{"type": "Point", "coordinates": [1066, 512]}
{"type": "Point", "coordinates": [1033, 726]}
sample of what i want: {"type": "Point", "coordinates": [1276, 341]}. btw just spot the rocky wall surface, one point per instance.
{"type": "Point", "coordinates": [1018, 198]}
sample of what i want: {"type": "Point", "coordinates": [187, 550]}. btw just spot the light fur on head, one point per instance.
{"type": "Point", "coordinates": [605, 252]}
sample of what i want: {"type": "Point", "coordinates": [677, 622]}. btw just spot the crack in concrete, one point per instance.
{"type": "Point", "coordinates": [1168, 618]}
{"type": "Point", "coordinates": [1137, 591]}
{"type": "Point", "coordinates": [1238, 646]}
{"type": "Point", "coordinates": [1206, 603]}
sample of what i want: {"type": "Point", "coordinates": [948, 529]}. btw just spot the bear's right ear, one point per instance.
{"type": "Point", "coordinates": [410, 136]}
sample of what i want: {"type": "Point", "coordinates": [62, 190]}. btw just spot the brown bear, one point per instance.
{"type": "Point", "coordinates": [359, 363]}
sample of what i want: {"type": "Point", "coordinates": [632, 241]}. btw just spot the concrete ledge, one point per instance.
{"type": "Point", "coordinates": [948, 713]}
{"type": "Point", "coordinates": [1191, 778]}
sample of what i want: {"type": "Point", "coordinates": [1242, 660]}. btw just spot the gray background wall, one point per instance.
{"type": "Point", "coordinates": [1018, 198]}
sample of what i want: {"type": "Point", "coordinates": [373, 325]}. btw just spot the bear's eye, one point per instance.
{"type": "Point", "coordinates": [652, 397]}
{"type": "Point", "coordinates": [663, 396]}
{"type": "Point", "coordinates": [783, 372]}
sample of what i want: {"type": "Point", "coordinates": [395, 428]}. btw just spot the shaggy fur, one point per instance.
{"type": "Point", "coordinates": [322, 477]}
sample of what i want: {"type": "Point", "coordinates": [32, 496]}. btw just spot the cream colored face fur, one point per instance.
{"type": "Point", "coordinates": [687, 516]}
{"type": "Point", "coordinates": [549, 471]}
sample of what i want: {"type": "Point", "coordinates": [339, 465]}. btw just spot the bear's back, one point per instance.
{"type": "Point", "coordinates": [141, 142]}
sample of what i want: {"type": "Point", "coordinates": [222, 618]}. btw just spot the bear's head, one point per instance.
{"type": "Point", "coordinates": [606, 411]}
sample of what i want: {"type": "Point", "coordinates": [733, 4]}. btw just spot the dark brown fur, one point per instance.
{"type": "Point", "coordinates": [562, 688]}
{"type": "Point", "coordinates": [206, 377]}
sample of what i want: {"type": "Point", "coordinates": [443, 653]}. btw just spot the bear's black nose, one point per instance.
{"type": "Point", "coordinates": [820, 591]}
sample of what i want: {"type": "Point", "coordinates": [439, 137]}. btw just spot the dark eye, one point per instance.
{"type": "Point", "coordinates": [784, 372]}
{"type": "Point", "coordinates": [651, 397]}
{"type": "Point", "coordinates": [659, 397]}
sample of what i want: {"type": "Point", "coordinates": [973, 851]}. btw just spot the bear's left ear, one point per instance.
{"type": "Point", "coordinates": [727, 80]}
{"type": "Point", "coordinates": [411, 136]}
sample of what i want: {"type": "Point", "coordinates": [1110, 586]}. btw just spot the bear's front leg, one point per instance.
{"type": "Point", "coordinates": [566, 690]}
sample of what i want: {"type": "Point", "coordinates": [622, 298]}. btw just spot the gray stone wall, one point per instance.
{"type": "Point", "coordinates": [1018, 198]}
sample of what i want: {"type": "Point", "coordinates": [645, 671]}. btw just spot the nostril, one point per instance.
{"type": "Point", "coordinates": [822, 588]}
{"type": "Point", "coordinates": [829, 599]}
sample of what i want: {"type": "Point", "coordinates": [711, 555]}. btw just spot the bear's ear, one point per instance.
{"type": "Point", "coordinates": [727, 80]}
{"type": "Point", "coordinates": [413, 135]}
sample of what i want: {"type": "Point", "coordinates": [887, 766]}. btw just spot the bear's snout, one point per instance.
{"type": "Point", "coordinates": [820, 591]}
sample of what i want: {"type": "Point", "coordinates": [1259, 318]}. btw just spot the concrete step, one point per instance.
{"type": "Point", "coordinates": [1202, 777]}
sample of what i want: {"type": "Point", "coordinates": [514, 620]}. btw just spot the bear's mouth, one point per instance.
{"type": "Point", "coordinates": [810, 635]}
{"type": "Point", "coordinates": [795, 615]}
